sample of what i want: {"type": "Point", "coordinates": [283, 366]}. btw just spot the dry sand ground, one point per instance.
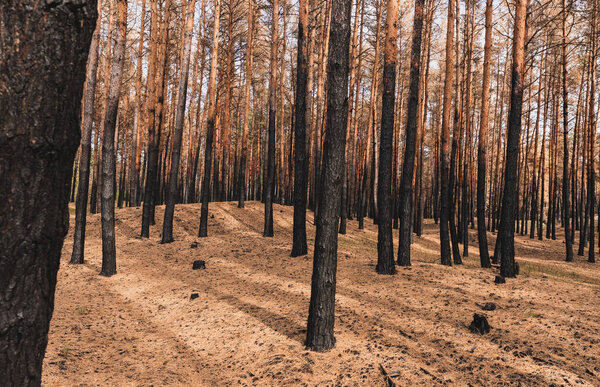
{"type": "Point", "coordinates": [247, 327]}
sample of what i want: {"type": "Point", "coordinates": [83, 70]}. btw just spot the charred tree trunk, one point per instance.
{"type": "Point", "coordinates": [151, 86]}
{"type": "Point", "coordinates": [299, 246]}
{"type": "Point", "coordinates": [136, 143]}
{"type": "Point", "coordinates": [592, 130]}
{"type": "Point", "coordinates": [406, 188]}
{"type": "Point", "coordinates": [210, 122]}
{"type": "Point", "coordinates": [249, 61]}
{"type": "Point", "coordinates": [319, 334]}
{"type": "Point", "coordinates": [86, 149]}
{"type": "Point", "coordinates": [507, 262]}
{"type": "Point", "coordinates": [565, 176]}
{"type": "Point", "coordinates": [270, 178]}
{"type": "Point", "coordinates": [484, 256]}
{"type": "Point", "coordinates": [172, 193]}
{"type": "Point", "coordinates": [109, 252]}
{"type": "Point", "coordinates": [445, 138]}
{"type": "Point", "coordinates": [32, 227]}
{"type": "Point", "coordinates": [385, 245]}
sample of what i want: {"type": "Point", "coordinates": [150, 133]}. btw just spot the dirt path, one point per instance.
{"type": "Point", "coordinates": [248, 324]}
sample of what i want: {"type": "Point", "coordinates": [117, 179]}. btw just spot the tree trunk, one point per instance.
{"type": "Point", "coordinates": [109, 252]}
{"type": "Point", "coordinates": [484, 256]}
{"type": "Point", "coordinates": [592, 129]}
{"type": "Point", "coordinates": [249, 62]}
{"type": "Point", "coordinates": [270, 178]}
{"type": "Point", "coordinates": [39, 135]}
{"type": "Point", "coordinates": [86, 149]}
{"type": "Point", "coordinates": [210, 121]}
{"type": "Point", "coordinates": [445, 138]}
{"type": "Point", "coordinates": [136, 144]}
{"type": "Point", "coordinates": [385, 245]}
{"type": "Point", "coordinates": [319, 334]}
{"type": "Point", "coordinates": [151, 86]}
{"type": "Point", "coordinates": [565, 176]}
{"type": "Point", "coordinates": [507, 262]}
{"type": "Point", "coordinates": [172, 193]}
{"type": "Point", "coordinates": [299, 246]}
{"type": "Point", "coordinates": [344, 208]}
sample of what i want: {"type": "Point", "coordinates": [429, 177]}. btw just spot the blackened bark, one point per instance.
{"type": "Point", "coordinates": [484, 255]}
{"type": "Point", "coordinates": [109, 253]}
{"type": "Point", "coordinates": [249, 61]}
{"type": "Point", "coordinates": [210, 122]}
{"type": "Point", "coordinates": [40, 95]}
{"type": "Point", "coordinates": [565, 176]}
{"type": "Point", "coordinates": [592, 128]}
{"type": "Point", "coordinates": [385, 246]}
{"type": "Point", "coordinates": [457, 259]}
{"type": "Point", "coordinates": [406, 188]}
{"type": "Point", "coordinates": [507, 226]}
{"type": "Point", "coordinates": [319, 334]}
{"type": "Point", "coordinates": [270, 178]}
{"type": "Point", "coordinates": [299, 246]}
{"type": "Point", "coordinates": [86, 149]}
{"type": "Point", "coordinates": [172, 192]}
{"type": "Point", "coordinates": [445, 138]}
{"type": "Point", "coordinates": [150, 165]}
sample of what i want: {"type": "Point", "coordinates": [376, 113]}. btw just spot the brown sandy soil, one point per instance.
{"type": "Point", "coordinates": [248, 324]}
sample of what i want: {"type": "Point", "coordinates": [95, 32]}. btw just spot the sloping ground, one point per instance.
{"type": "Point", "coordinates": [248, 324]}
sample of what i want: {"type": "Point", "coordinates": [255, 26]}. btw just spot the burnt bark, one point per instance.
{"type": "Point", "coordinates": [385, 246]}
{"type": "Point", "coordinates": [270, 178]}
{"type": "Point", "coordinates": [249, 61]}
{"type": "Point", "coordinates": [172, 192]}
{"type": "Point", "coordinates": [445, 138]}
{"type": "Point", "coordinates": [39, 135]}
{"type": "Point", "coordinates": [319, 334]}
{"type": "Point", "coordinates": [484, 255]}
{"type": "Point", "coordinates": [151, 161]}
{"type": "Point", "coordinates": [565, 176]}
{"type": "Point", "coordinates": [299, 245]}
{"type": "Point", "coordinates": [77, 255]}
{"type": "Point", "coordinates": [408, 166]}
{"type": "Point", "coordinates": [109, 252]}
{"type": "Point", "coordinates": [210, 122]}
{"type": "Point", "coordinates": [507, 226]}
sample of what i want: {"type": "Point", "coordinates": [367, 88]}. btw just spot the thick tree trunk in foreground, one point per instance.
{"type": "Point", "coordinates": [172, 193]}
{"type": "Point", "coordinates": [210, 122]}
{"type": "Point", "coordinates": [86, 150]}
{"type": "Point", "coordinates": [385, 245]}
{"type": "Point", "coordinates": [109, 252]}
{"type": "Point", "coordinates": [408, 166]}
{"type": "Point", "coordinates": [270, 178]}
{"type": "Point", "coordinates": [484, 255]}
{"type": "Point", "coordinates": [445, 138]}
{"type": "Point", "coordinates": [299, 246]}
{"type": "Point", "coordinates": [319, 333]}
{"type": "Point", "coordinates": [40, 95]}
{"type": "Point", "coordinates": [507, 226]}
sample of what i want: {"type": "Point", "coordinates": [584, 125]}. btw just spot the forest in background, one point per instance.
{"type": "Point", "coordinates": [252, 54]}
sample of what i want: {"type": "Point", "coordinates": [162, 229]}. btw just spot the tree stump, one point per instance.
{"type": "Point", "coordinates": [479, 324]}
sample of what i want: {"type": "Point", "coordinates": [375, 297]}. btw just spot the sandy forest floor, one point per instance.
{"type": "Point", "coordinates": [248, 324]}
